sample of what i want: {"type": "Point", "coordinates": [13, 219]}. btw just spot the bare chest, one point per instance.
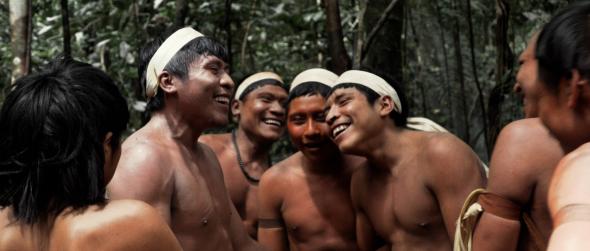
{"type": "Point", "coordinates": [402, 209]}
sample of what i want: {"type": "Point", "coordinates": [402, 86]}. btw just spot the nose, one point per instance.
{"type": "Point", "coordinates": [332, 115]}
{"type": "Point", "coordinates": [311, 129]}
{"type": "Point", "coordinates": [277, 109]}
{"type": "Point", "coordinates": [227, 83]}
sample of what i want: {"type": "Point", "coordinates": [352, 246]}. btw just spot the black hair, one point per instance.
{"type": "Point", "coordinates": [179, 64]}
{"type": "Point", "coordinates": [400, 119]}
{"type": "Point", "coordinates": [564, 45]}
{"type": "Point", "coordinates": [308, 89]}
{"type": "Point", "coordinates": [258, 84]}
{"type": "Point", "coordinates": [52, 128]}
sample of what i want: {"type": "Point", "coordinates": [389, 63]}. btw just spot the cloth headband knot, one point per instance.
{"type": "Point", "coordinates": [314, 75]}
{"type": "Point", "coordinates": [256, 78]}
{"type": "Point", "coordinates": [165, 52]}
{"type": "Point", "coordinates": [373, 82]}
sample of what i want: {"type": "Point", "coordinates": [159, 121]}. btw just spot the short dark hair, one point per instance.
{"type": "Point", "coordinates": [52, 128]}
{"type": "Point", "coordinates": [179, 64]}
{"type": "Point", "coordinates": [308, 89]}
{"type": "Point", "coordinates": [256, 85]}
{"type": "Point", "coordinates": [400, 119]}
{"type": "Point", "coordinates": [564, 45]}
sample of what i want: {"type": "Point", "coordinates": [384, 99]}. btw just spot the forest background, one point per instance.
{"type": "Point", "coordinates": [456, 59]}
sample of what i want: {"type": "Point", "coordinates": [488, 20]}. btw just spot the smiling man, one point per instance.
{"type": "Point", "coordinates": [304, 200]}
{"type": "Point", "coordinates": [404, 198]}
{"type": "Point", "coordinates": [188, 89]}
{"type": "Point", "coordinates": [258, 106]}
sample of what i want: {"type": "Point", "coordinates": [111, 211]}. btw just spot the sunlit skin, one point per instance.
{"type": "Point", "coordinates": [255, 136]}
{"type": "Point", "coordinates": [402, 198]}
{"type": "Point", "coordinates": [118, 225]}
{"type": "Point", "coordinates": [163, 165]}
{"type": "Point", "coordinates": [309, 191]}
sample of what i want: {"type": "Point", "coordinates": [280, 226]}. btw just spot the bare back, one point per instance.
{"type": "Point", "coordinates": [315, 210]}
{"type": "Point", "coordinates": [120, 225]}
{"type": "Point", "coordinates": [185, 185]}
{"type": "Point", "coordinates": [413, 203]}
{"type": "Point", "coordinates": [243, 193]}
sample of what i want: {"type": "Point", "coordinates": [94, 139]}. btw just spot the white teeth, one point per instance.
{"type": "Point", "coordinates": [224, 100]}
{"type": "Point", "coordinates": [339, 129]}
{"type": "Point", "coordinates": [273, 122]}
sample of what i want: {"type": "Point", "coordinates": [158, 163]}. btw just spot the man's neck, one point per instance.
{"type": "Point", "coordinates": [385, 150]}
{"type": "Point", "coordinates": [174, 126]}
{"type": "Point", "coordinates": [329, 163]}
{"type": "Point", "coordinates": [251, 148]}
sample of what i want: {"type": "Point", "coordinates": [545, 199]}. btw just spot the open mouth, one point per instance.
{"type": "Point", "coordinates": [339, 129]}
{"type": "Point", "coordinates": [273, 122]}
{"type": "Point", "coordinates": [222, 99]}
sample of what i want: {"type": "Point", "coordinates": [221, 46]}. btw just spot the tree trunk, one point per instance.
{"type": "Point", "coordinates": [360, 34]}
{"type": "Point", "coordinates": [449, 87]}
{"type": "Point", "coordinates": [339, 60]}
{"type": "Point", "coordinates": [504, 57]}
{"type": "Point", "coordinates": [460, 77]}
{"type": "Point", "coordinates": [227, 25]}
{"type": "Point", "coordinates": [180, 14]}
{"type": "Point", "coordinates": [382, 48]}
{"type": "Point", "coordinates": [480, 97]}
{"type": "Point", "coordinates": [65, 14]}
{"type": "Point", "coordinates": [20, 36]}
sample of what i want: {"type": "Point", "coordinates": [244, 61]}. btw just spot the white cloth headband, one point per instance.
{"type": "Point", "coordinates": [265, 75]}
{"type": "Point", "coordinates": [314, 75]}
{"type": "Point", "coordinates": [373, 82]}
{"type": "Point", "coordinates": [165, 52]}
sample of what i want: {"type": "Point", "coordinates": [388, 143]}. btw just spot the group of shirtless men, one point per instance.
{"type": "Point", "coordinates": [361, 179]}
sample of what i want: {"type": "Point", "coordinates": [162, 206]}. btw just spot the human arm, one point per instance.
{"type": "Point", "coordinates": [569, 203]}
{"type": "Point", "coordinates": [124, 225]}
{"type": "Point", "coordinates": [446, 156]}
{"type": "Point", "coordinates": [271, 228]}
{"type": "Point", "coordinates": [365, 234]}
{"type": "Point", "coordinates": [142, 175]}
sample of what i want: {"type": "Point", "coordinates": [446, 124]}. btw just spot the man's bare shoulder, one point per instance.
{"type": "Point", "coordinates": [570, 181]}
{"type": "Point", "coordinates": [120, 225]}
{"type": "Point", "coordinates": [287, 169]}
{"type": "Point", "coordinates": [439, 146]}
{"type": "Point", "coordinates": [217, 142]}
{"type": "Point", "coordinates": [524, 155]}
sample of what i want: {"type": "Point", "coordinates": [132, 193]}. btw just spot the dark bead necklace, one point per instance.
{"type": "Point", "coordinates": [241, 163]}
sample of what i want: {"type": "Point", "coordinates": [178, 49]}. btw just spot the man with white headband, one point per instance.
{"type": "Point", "coordinates": [188, 87]}
{"type": "Point", "coordinates": [244, 154]}
{"type": "Point", "coordinates": [305, 199]}
{"type": "Point", "coordinates": [410, 194]}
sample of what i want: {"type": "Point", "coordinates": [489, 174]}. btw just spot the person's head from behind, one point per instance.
{"type": "Point", "coordinates": [258, 106]}
{"type": "Point", "coordinates": [189, 71]}
{"type": "Point", "coordinates": [563, 53]}
{"type": "Point", "coordinates": [361, 105]}
{"type": "Point", "coordinates": [526, 79]}
{"type": "Point", "coordinates": [306, 118]}
{"type": "Point", "coordinates": [60, 131]}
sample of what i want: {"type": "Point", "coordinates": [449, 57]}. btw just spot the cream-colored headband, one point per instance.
{"type": "Point", "coordinates": [266, 75]}
{"type": "Point", "coordinates": [373, 82]}
{"type": "Point", "coordinates": [165, 52]}
{"type": "Point", "coordinates": [314, 75]}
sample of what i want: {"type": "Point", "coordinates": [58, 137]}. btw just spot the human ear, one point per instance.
{"type": "Point", "coordinates": [107, 146]}
{"type": "Point", "coordinates": [235, 108]}
{"type": "Point", "coordinates": [386, 105]}
{"type": "Point", "coordinates": [574, 89]}
{"type": "Point", "coordinates": [166, 82]}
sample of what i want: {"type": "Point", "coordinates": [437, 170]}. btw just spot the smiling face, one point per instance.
{"type": "Point", "coordinates": [527, 81]}
{"type": "Point", "coordinates": [205, 93]}
{"type": "Point", "coordinates": [306, 123]}
{"type": "Point", "coordinates": [352, 119]}
{"type": "Point", "coordinates": [262, 112]}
